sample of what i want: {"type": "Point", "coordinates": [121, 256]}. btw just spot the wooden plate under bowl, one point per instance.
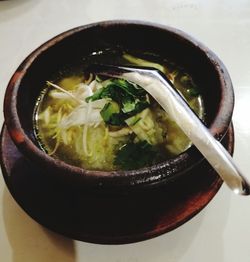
{"type": "Point", "coordinates": [107, 219]}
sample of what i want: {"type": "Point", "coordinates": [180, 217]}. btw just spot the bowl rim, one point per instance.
{"type": "Point", "coordinates": [113, 178]}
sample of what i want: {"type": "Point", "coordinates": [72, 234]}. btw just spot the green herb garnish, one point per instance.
{"type": "Point", "coordinates": [135, 155]}
{"type": "Point", "coordinates": [129, 98]}
{"type": "Point", "coordinates": [111, 114]}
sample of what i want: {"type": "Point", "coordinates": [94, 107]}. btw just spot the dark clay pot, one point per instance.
{"type": "Point", "coordinates": [26, 84]}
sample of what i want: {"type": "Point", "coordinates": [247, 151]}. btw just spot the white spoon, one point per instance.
{"type": "Point", "coordinates": [162, 90]}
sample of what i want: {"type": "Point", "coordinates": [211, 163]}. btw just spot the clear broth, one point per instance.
{"type": "Point", "coordinates": [97, 149]}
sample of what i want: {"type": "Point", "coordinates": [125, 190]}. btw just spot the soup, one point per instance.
{"type": "Point", "coordinates": [109, 124]}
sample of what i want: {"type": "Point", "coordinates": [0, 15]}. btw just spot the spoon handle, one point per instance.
{"type": "Point", "coordinates": [165, 94]}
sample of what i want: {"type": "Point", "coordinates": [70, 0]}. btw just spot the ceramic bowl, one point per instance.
{"type": "Point", "coordinates": [25, 86]}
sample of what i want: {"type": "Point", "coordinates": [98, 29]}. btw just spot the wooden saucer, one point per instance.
{"type": "Point", "coordinates": [110, 218]}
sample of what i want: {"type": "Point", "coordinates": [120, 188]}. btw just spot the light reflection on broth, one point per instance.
{"type": "Point", "coordinates": [110, 124]}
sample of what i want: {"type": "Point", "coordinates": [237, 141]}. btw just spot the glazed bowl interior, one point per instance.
{"type": "Point", "coordinates": [69, 49]}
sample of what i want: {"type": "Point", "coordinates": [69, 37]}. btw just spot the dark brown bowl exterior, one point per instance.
{"type": "Point", "coordinates": [25, 85]}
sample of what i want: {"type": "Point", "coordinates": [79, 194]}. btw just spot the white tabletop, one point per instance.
{"type": "Point", "coordinates": [220, 232]}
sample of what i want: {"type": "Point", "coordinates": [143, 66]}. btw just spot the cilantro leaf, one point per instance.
{"type": "Point", "coordinates": [96, 96]}
{"type": "Point", "coordinates": [111, 114]}
{"type": "Point", "coordinates": [130, 98]}
{"type": "Point", "coordinates": [135, 155]}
